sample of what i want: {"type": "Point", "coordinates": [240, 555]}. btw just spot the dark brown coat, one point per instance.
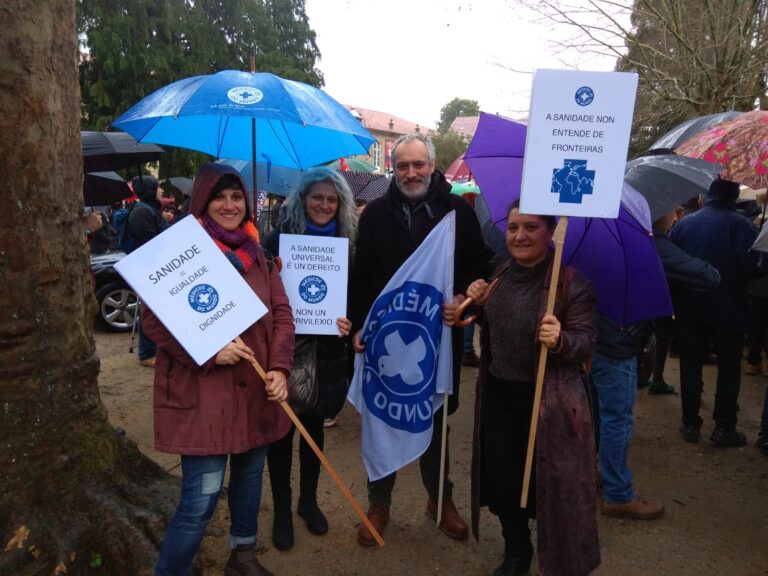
{"type": "Point", "coordinates": [215, 409]}
{"type": "Point", "coordinates": [566, 470]}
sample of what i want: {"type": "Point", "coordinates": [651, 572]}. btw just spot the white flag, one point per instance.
{"type": "Point", "coordinates": [407, 366]}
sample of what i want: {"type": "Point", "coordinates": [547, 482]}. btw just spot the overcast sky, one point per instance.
{"type": "Point", "coordinates": [412, 57]}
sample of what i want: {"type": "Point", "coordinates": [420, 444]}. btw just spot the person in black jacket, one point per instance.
{"type": "Point", "coordinates": [322, 205]}
{"type": "Point", "coordinates": [390, 229]}
{"type": "Point", "coordinates": [724, 238]}
{"type": "Point", "coordinates": [683, 272]}
{"type": "Point", "coordinates": [144, 222]}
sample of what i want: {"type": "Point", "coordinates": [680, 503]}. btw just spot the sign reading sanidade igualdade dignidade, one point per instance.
{"type": "Point", "coordinates": [192, 288]}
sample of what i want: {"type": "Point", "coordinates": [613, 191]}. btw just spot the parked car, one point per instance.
{"type": "Point", "coordinates": [118, 303]}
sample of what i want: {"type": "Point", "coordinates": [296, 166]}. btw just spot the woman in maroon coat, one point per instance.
{"type": "Point", "coordinates": [222, 410]}
{"type": "Point", "coordinates": [563, 490]}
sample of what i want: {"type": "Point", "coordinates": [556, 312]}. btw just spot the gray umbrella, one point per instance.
{"type": "Point", "coordinates": [182, 183]}
{"type": "Point", "coordinates": [690, 128]}
{"type": "Point", "coordinates": [668, 180]}
{"type": "Point", "coordinates": [274, 179]}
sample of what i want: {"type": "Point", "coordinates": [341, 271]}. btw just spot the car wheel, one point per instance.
{"type": "Point", "coordinates": [118, 305]}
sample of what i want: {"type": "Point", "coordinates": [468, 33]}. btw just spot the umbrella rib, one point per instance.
{"type": "Point", "coordinates": [293, 153]}
{"type": "Point", "coordinates": [148, 130]}
{"type": "Point", "coordinates": [221, 134]}
{"type": "Point", "coordinates": [622, 244]}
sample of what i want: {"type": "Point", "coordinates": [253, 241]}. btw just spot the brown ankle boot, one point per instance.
{"type": "Point", "coordinates": [378, 514]}
{"type": "Point", "coordinates": [242, 562]}
{"type": "Point", "coordinates": [451, 523]}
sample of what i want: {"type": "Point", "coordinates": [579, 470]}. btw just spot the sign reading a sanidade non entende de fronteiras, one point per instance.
{"type": "Point", "coordinates": [577, 140]}
{"type": "Point", "coordinates": [193, 289]}
{"type": "Point", "coordinates": [314, 274]}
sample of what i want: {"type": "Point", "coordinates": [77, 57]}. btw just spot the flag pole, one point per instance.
{"type": "Point", "coordinates": [558, 238]}
{"type": "Point", "coordinates": [443, 443]}
{"type": "Point", "coordinates": [319, 453]}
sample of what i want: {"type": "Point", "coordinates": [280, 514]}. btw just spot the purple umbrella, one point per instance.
{"type": "Point", "coordinates": [618, 255]}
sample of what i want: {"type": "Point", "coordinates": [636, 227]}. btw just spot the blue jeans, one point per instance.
{"type": "Point", "coordinates": [202, 478]}
{"type": "Point", "coordinates": [614, 382]}
{"type": "Point", "coordinates": [147, 347]}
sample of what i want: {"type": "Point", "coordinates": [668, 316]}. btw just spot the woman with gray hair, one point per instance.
{"type": "Point", "coordinates": [322, 205]}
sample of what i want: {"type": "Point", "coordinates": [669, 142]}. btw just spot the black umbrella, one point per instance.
{"type": "Point", "coordinates": [366, 186]}
{"type": "Point", "coordinates": [668, 180]}
{"type": "Point", "coordinates": [690, 128]}
{"type": "Point", "coordinates": [104, 151]}
{"type": "Point", "coordinates": [104, 188]}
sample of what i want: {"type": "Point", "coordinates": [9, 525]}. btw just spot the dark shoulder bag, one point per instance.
{"type": "Point", "coordinates": [303, 381]}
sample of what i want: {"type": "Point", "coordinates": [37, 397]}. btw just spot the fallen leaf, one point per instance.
{"type": "Point", "coordinates": [35, 551]}
{"type": "Point", "coordinates": [60, 569]}
{"type": "Point", "coordinates": [18, 539]}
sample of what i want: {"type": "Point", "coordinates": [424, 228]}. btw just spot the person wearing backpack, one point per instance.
{"type": "Point", "coordinates": [143, 222]}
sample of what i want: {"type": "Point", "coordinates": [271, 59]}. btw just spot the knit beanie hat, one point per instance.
{"type": "Point", "coordinates": [724, 189]}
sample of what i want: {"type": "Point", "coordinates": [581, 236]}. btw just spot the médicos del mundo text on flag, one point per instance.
{"type": "Point", "coordinates": [401, 378]}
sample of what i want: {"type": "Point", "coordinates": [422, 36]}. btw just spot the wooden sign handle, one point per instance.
{"type": "Point", "coordinates": [319, 453]}
{"type": "Point", "coordinates": [559, 238]}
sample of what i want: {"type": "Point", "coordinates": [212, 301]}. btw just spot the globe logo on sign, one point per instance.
{"type": "Point", "coordinates": [203, 298]}
{"type": "Point", "coordinates": [584, 96]}
{"type": "Point", "coordinates": [313, 289]}
{"type": "Point", "coordinates": [245, 95]}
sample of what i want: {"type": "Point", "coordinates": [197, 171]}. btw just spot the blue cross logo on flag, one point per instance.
{"type": "Point", "coordinates": [401, 378]}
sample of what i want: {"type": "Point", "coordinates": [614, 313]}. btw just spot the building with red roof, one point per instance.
{"type": "Point", "coordinates": [386, 128]}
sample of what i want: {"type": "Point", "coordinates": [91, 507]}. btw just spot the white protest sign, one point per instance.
{"type": "Point", "coordinates": [576, 146]}
{"type": "Point", "coordinates": [314, 274]}
{"type": "Point", "coordinates": [192, 288]}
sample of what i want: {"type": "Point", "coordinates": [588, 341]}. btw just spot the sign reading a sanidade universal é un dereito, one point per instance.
{"type": "Point", "coordinates": [193, 289]}
{"type": "Point", "coordinates": [577, 141]}
{"type": "Point", "coordinates": [314, 274]}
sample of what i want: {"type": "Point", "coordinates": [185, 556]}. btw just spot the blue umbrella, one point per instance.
{"type": "Point", "coordinates": [233, 114]}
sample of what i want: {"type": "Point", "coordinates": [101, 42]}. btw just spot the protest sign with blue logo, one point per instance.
{"type": "Point", "coordinates": [192, 288]}
{"type": "Point", "coordinates": [401, 378]}
{"type": "Point", "coordinates": [577, 141]}
{"type": "Point", "coordinates": [315, 270]}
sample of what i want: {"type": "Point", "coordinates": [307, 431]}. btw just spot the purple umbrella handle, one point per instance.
{"type": "Point", "coordinates": [461, 322]}
{"type": "Point", "coordinates": [458, 320]}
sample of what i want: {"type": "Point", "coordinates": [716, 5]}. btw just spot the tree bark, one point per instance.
{"type": "Point", "coordinates": [74, 495]}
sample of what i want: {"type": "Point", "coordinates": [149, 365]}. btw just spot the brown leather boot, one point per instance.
{"type": "Point", "coordinates": [451, 523]}
{"type": "Point", "coordinates": [242, 562]}
{"type": "Point", "coordinates": [378, 514]}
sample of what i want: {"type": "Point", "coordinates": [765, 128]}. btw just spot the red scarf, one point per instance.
{"type": "Point", "coordinates": [240, 246]}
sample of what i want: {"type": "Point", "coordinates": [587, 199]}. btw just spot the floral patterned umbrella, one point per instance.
{"type": "Point", "coordinates": [740, 145]}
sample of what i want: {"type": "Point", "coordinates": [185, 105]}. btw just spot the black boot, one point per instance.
{"type": "Point", "coordinates": [310, 511]}
{"type": "Point", "coordinates": [282, 526]}
{"type": "Point", "coordinates": [513, 567]}
{"type": "Point", "coordinates": [242, 562]}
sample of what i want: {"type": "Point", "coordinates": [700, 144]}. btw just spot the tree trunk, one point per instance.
{"type": "Point", "coordinates": [74, 495]}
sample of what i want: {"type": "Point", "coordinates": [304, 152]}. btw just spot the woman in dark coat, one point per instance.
{"type": "Point", "coordinates": [322, 205]}
{"type": "Point", "coordinates": [563, 489]}
{"type": "Point", "coordinates": [222, 410]}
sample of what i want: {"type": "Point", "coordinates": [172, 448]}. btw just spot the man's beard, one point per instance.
{"type": "Point", "coordinates": [414, 195]}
